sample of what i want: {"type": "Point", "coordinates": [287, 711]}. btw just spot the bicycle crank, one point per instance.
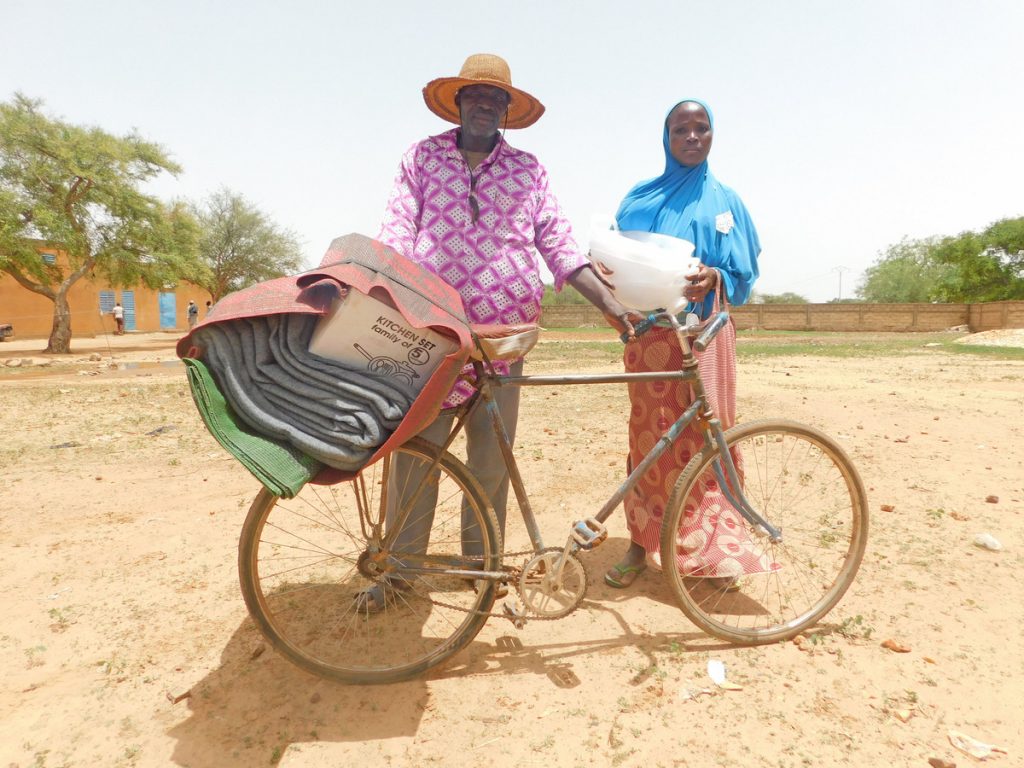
{"type": "Point", "coordinates": [552, 583]}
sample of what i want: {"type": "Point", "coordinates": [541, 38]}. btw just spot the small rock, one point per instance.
{"type": "Point", "coordinates": [992, 499]}
{"type": "Point", "coordinates": [888, 508]}
{"type": "Point", "coordinates": [95, 357]}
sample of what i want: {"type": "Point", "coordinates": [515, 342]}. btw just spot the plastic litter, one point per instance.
{"type": "Point", "coordinates": [987, 541]}
{"type": "Point", "coordinates": [971, 746]}
{"type": "Point", "coordinates": [716, 671]}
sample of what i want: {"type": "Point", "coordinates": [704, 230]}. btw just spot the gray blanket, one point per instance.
{"type": "Point", "coordinates": [333, 412]}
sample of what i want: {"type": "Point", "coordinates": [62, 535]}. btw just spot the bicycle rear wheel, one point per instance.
{"type": "Point", "coordinates": [800, 481]}
{"type": "Point", "coordinates": [303, 563]}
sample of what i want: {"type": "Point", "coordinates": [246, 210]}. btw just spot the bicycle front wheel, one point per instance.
{"type": "Point", "coordinates": [799, 481]}
{"type": "Point", "coordinates": [306, 563]}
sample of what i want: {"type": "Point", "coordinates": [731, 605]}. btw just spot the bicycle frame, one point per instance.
{"type": "Point", "coordinates": [590, 532]}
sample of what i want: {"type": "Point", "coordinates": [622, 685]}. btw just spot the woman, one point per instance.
{"type": "Point", "coordinates": [686, 201]}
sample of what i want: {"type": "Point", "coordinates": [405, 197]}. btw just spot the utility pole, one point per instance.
{"type": "Point", "coordinates": [840, 270]}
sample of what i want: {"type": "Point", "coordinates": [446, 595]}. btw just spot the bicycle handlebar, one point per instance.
{"type": "Point", "coordinates": [710, 331]}
{"type": "Point", "coordinates": [640, 328]}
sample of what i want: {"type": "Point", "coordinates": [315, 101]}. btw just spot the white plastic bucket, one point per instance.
{"type": "Point", "coordinates": [647, 270]}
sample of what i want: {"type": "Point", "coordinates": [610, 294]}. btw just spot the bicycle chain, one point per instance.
{"type": "Point", "coordinates": [514, 574]}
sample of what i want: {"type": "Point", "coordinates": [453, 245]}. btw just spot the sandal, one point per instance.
{"type": "Point", "coordinates": [621, 576]}
{"type": "Point", "coordinates": [378, 596]}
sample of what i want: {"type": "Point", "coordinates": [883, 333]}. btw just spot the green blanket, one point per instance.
{"type": "Point", "coordinates": [281, 468]}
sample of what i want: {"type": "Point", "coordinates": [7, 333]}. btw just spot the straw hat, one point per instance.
{"type": "Point", "coordinates": [482, 69]}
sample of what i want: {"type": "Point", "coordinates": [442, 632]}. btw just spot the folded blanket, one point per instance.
{"type": "Point", "coordinates": [281, 468]}
{"type": "Point", "coordinates": [333, 412]}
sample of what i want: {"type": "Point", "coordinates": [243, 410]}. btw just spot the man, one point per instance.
{"type": "Point", "coordinates": [474, 210]}
{"type": "Point", "coordinates": [193, 314]}
{"type": "Point", "coordinates": [118, 313]}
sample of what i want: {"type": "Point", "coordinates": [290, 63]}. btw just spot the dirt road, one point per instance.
{"type": "Point", "coordinates": [126, 643]}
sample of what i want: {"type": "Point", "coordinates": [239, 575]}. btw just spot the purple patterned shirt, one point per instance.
{"type": "Point", "coordinates": [489, 256]}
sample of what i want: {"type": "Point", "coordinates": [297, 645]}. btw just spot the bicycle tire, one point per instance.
{"type": "Point", "coordinates": [299, 568]}
{"type": "Point", "coordinates": [800, 481]}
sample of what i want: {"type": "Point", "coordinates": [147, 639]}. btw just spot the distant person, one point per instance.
{"type": "Point", "coordinates": [686, 201]}
{"type": "Point", "coordinates": [118, 313]}
{"type": "Point", "coordinates": [475, 211]}
{"type": "Point", "coordinates": [206, 314]}
{"type": "Point", "coordinates": [193, 314]}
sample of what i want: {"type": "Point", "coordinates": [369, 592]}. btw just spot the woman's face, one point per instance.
{"type": "Point", "coordinates": [689, 134]}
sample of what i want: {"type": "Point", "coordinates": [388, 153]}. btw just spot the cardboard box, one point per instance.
{"type": "Point", "coordinates": [364, 332]}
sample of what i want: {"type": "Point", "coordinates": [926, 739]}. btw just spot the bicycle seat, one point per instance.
{"type": "Point", "coordinates": [503, 342]}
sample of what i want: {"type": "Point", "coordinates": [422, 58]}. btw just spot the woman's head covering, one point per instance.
{"type": "Point", "coordinates": [689, 202]}
{"type": "Point", "coordinates": [667, 204]}
{"type": "Point", "coordinates": [482, 69]}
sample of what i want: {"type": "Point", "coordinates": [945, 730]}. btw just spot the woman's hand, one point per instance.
{"type": "Point", "coordinates": [701, 284]}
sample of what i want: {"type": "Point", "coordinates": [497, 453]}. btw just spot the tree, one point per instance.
{"type": "Point", "coordinates": [77, 190]}
{"type": "Point", "coordinates": [969, 267]}
{"type": "Point", "coordinates": [568, 295]}
{"type": "Point", "coordinates": [240, 246]}
{"type": "Point", "coordinates": [778, 298]}
{"type": "Point", "coordinates": [906, 273]}
{"type": "Point", "coordinates": [1005, 240]}
{"type": "Point", "coordinates": [984, 266]}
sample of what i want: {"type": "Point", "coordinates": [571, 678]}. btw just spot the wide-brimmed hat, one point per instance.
{"type": "Point", "coordinates": [482, 69]}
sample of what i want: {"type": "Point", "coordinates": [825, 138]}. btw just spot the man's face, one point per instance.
{"type": "Point", "coordinates": [482, 108]}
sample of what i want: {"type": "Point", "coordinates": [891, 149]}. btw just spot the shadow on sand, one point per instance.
{"type": "Point", "coordinates": [256, 704]}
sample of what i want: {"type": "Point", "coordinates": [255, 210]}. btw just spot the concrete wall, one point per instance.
{"type": "Point", "coordinates": [835, 317]}
{"type": "Point", "coordinates": [997, 314]}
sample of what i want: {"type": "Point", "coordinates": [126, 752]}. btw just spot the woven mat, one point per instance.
{"type": "Point", "coordinates": [281, 468]}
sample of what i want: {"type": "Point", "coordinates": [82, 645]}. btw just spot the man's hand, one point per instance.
{"type": "Point", "coordinates": [594, 290]}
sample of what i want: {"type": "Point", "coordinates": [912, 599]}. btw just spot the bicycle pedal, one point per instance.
{"type": "Point", "coordinates": [589, 533]}
{"type": "Point", "coordinates": [514, 614]}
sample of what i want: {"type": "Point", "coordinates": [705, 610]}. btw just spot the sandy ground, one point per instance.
{"type": "Point", "coordinates": [125, 640]}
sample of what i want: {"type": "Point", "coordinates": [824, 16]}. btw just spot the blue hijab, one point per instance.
{"type": "Point", "coordinates": [692, 204]}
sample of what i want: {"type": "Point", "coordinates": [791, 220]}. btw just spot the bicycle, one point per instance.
{"type": "Point", "coordinates": [303, 562]}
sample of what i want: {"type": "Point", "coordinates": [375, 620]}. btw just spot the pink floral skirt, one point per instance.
{"type": "Point", "coordinates": [712, 539]}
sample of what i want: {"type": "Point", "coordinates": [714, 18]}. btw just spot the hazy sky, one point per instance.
{"type": "Point", "coordinates": [843, 126]}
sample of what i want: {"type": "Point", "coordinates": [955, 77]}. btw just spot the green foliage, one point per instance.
{"type": "Point", "coordinates": [568, 295]}
{"type": "Point", "coordinates": [984, 266]}
{"type": "Point", "coordinates": [778, 298]}
{"type": "Point", "coordinates": [970, 267]}
{"type": "Point", "coordinates": [77, 189]}
{"type": "Point", "coordinates": [240, 246]}
{"type": "Point", "coordinates": [906, 273]}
